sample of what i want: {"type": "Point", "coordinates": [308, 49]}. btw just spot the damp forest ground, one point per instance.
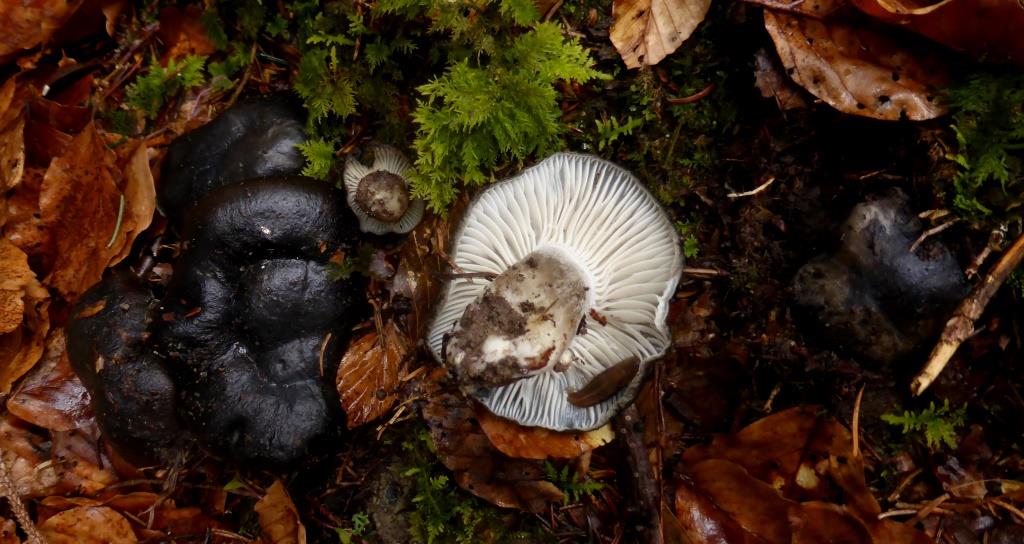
{"type": "Point", "coordinates": [700, 136]}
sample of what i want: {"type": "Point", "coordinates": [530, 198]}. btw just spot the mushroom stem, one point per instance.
{"type": "Point", "coordinates": [522, 323]}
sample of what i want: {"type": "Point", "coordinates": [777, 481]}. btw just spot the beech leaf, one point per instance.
{"type": "Point", "coordinates": [857, 68]}
{"type": "Point", "coordinates": [88, 525]}
{"type": "Point", "coordinates": [279, 520]}
{"type": "Point", "coordinates": [368, 375]}
{"type": "Point", "coordinates": [646, 31]}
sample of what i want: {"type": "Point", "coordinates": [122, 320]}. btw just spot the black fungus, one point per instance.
{"type": "Point", "coordinates": [133, 397]}
{"type": "Point", "coordinates": [254, 325]}
{"type": "Point", "coordinates": [873, 296]}
{"type": "Point", "coordinates": [249, 140]}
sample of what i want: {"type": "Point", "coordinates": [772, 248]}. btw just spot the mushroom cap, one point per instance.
{"type": "Point", "coordinates": [132, 394]}
{"type": "Point", "coordinates": [254, 326]}
{"type": "Point", "coordinates": [385, 159]}
{"type": "Point", "coordinates": [600, 214]}
{"type": "Point", "coordinates": [249, 140]}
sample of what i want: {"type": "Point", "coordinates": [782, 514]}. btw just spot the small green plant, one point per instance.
{"type": "Point", "coordinates": [151, 90]}
{"type": "Point", "coordinates": [443, 513]}
{"type": "Point", "coordinates": [988, 119]}
{"type": "Point", "coordinates": [691, 246]}
{"type": "Point", "coordinates": [570, 484]}
{"type": "Point", "coordinates": [937, 425]}
{"type": "Point", "coordinates": [609, 131]}
{"type": "Point", "coordinates": [360, 526]}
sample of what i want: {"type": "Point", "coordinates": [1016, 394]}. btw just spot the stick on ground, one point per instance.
{"type": "Point", "coordinates": [960, 327]}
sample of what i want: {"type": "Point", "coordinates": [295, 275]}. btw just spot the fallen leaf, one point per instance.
{"type": "Point", "coordinates": [27, 24]}
{"type": "Point", "coordinates": [789, 478]}
{"type": "Point", "coordinates": [279, 520]}
{"type": "Point", "coordinates": [24, 320]}
{"type": "Point", "coordinates": [773, 83]}
{"type": "Point", "coordinates": [417, 282]}
{"type": "Point", "coordinates": [368, 375]}
{"type": "Point", "coordinates": [27, 455]}
{"type": "Point", "coordinates": [646, 31]}
{"type": "Point", "coordinates": [12, 135]}
{"type": "Point", "coordinates": [819, 9]}
{"type": "Point", "coordinates": [515, 440]}
{"type": "Point", "coordinates": [51, 396]}
{"type": "Point", "coordinates": [985, 29]}
{"type": "Point", "coordinates": [82, 467]}
{"type": "Point", "coordinates": [23, 226]}
{"type": "Point", "coordinates": [88, 525]}
{"type": "Point", "coordinates": [79, 202]}
{"type": "Point", "coordinates": [182, 32]}
{"type": "Point", "coordinates": [477, 465]}
{"type": "Point", "coordinates": [168, 520]}
{"type": "Point", "coordinates": [9, 532]}
{"type": "Point", "coordinates": [140, 199]}
{"type": "Point", "coordinates": [857, 68]}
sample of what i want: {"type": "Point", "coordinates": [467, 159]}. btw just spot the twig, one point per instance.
{"type": "Point", "coordinates": [856, 423]}
{"type": "Point", "coordinates": [629, 426]}
{"type": "Point", "coordinates": [960, 327]}
{"type": "Point", "coordinates": [554, 9]}
{"type": "Point", "coordinates": [754, 191]}
{"type": "Point", "coordinates": [693, 97]}
{"type": "Point", "coordinates": [245, 77]}
{"type": "Point", "coordinates": [707, 273]}
{"type": "Point", "coordinates": [931, 232]}
{"type": "Point", "coordinates": [995, 240]}
{"type": "Point", "coordinates": [10, 492]}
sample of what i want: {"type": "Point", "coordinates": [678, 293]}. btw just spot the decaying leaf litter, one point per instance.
{"type": "Point", "coordinates": [828, 194]}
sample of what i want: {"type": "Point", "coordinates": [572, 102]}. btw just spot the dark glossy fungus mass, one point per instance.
{"type": "Point", "coordinates": [249, 140]}
{"type": "Point", "coordinates": [132, 394]}
{"type": "Point", "coordinates": [874, 296]}
{"type": "Point", "coordinates": [252, 321]}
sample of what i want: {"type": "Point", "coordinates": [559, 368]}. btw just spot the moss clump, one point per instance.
{"type": "Point", "coordinates": [988, 119]}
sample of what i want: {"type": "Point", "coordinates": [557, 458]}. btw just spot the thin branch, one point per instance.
{"type": "Point", "coordinates": [960, 327]}
{"type": "Point", "coordinates": [754, 191]}
{"type": "Point", "coordinates": [10, 492]}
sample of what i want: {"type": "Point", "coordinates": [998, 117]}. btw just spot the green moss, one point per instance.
{"type": "Point", "coordinates": [934, 426]}
{"type": "Point", "coordinates": [988, 119]}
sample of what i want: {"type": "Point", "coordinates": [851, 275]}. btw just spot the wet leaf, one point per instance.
{"type": "Point", "coordinates": [24, 320]}
{"type": "Point", "coordinates": [985, 29]}
{"type": "Point", "coordinates": [140, 198]}
{"type": "Point", "coordinates": [773, 83]}
{"type": "Point", "coordinates": [27, 24]}
{"type": "Point", "coordinates": [12, 136]}
{"type": "Point", "coordinates": [788, 478]}
{"type": "Point", "coordinates": [80, 201]}
{"type": "Point", "coordinates": [51, 396]}
{"type": "Point", "coordinates": [646, 31]}
{"type": "Point", "coordinates": [279, 520]}
{"type": "Point", "coordinates": [182, 32]}
{"type": "Point", "coordinates": [515, 440]}
{"type": "Point", "coordinates": [818, 9]}
{"type": "Point", "coordinates": [27, 455]}
{"type": "Point", "coordinates": [167, 521]}
{"type": "Point", "coordinates": [858, 68]}
{"type": "Point", "coordinates": [478, 466]}
{"type": "Point", "coordinates": [368, 375]}
{"type": "Point", "coordinates": [88, 525]}
{"type": "Point", "coordinates": [82, 466]}
{"type": "Point", "coordinates": [417, 280]}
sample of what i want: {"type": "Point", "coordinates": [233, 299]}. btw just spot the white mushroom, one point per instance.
{"type": "Point", "coordinates": [379, 193]}
{"type": "Point", "coordinates": [573, 239]}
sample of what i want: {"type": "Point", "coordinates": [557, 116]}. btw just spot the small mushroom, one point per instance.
{"type": "Point", "coordinates": [584, 262]}
{"type": "Point", "coordinates": [249, 140]}
{"type": "Point", "coordinates": [379, 193]}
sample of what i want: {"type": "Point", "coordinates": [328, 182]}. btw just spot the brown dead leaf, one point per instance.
{"type": "Point", "coordinates": [819, 9]}
{"type": "Point", "coordinates": [88, 525]}
{"type": "Point", "coordinates": [985, 29]}
{"type": "Point", "coordinates": [82, 467]}
{"type": "Point", "coordinates": [51, 396]}
{"type": "Point", "coordinates": [9, 532]}
{"type": "Point", "coordinates": [770, 79]}
{"type": "Point", "coordinates": [857, 68]}
{"type": "Point", "coordinates": [27, 24]}
{"type": "Point", "coordinates": [368, 377]}
{"type": "Point", "coordinates": [422, 259]}
{"type": "Point", "coordinates": [168, 520]}
{"type": "Point", "coordinates": [26, 452]}
{"type": "Point", "coordinates": [23, 226]}
{"type": "Point", "coordinates": [789, 478]}
{"type": "Point", "coordinates": [24, 320]}
{"type": "Point", "coordinates": [480, 468]}
{"type": "Point", "coordinates": [515, 440]}
{"type": "Point", "coordinates": [80, 200]}
{"type": "Point", "coordinates": [181, 31]}
{"type": "Point", "coordinates": [140, 199]}
{"type": "Point", "coordinates": [279, 520]}
{"type": "Point", "coordinates": [12, 136]}
{"type": "Point", "coordinates": [646, 31]}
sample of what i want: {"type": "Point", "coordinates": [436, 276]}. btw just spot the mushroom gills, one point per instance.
{"type": "Point", "coordinates": [522, 323]}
